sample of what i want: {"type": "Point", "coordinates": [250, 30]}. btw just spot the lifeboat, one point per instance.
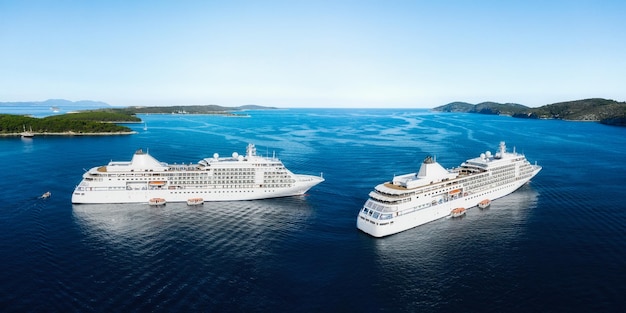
{"type": "Point", "coordinates": [484, 204]}
{"type": "Point", "coordinates": [457, 212]}
{"type": "Point", "coordinates": [157, 183]}
{"type": "Point", "coordinates": [156, 201]}
{"type": "Point", "coordinates": [195, 201]}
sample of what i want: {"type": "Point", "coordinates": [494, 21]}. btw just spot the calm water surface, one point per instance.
{"type": "Point", "coordinates": [555, 245]}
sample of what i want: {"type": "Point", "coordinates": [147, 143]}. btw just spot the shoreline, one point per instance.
{"type": "Point", "coordinates": [605, 121]}
{"type": "Point", "coordinates": [206, 113]}
{"type": "Point", "coordinates": [70, 133]}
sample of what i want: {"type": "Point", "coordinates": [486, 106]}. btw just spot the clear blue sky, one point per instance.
{"type": "Point", "coordinates": [312, 53]}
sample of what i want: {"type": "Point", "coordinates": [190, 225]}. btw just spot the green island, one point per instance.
{"type": "Point", "coordinates": [100, 121]}
{"type": "Point", "coordinates": [609, 112]}
{"type": "Point", "coordinates": [81, 123]}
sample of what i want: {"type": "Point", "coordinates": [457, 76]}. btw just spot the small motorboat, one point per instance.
{"type": "Point", "coordinates": [457, 212]}
{"type": "Point", "coordinates": [195, 201]}
{"type": "Point", "coordinates": [46, 195]}
{"type": "Point", "coordinates": [484, 204]}
{"type": "Point", "coordinates": [156, 201]}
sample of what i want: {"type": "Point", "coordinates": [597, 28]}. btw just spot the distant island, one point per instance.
{"type": "Point", "coordinates": [609, 112]}
{"type": "Point", "coordinates": [89, 105]}
{"type": "Point", "coordinates": [97, 118]}
{"type": "Point", "coordinates": [82, 123]}
{"type": "Point", "coordinates": [55, 103]}
{"type": "Point", "coordinates": [187, 109]}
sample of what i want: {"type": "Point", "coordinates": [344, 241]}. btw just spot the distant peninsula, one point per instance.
{"type": "Point", "coordinates": [89, 105]}
{"type": "Point", "coordinates": [187, 109]}
{"type": "Point", "coordinates": [609, 112]}
{"type": "Point", "coordinates": [56, 103]}
{"type": "Point", "coordinates": [96, 117]}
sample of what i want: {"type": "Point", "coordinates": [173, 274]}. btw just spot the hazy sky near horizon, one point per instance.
{"type": "Point", "coordinates": [312, 53]}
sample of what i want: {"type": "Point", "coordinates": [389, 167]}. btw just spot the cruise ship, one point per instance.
{"type": "Point", "coordinates": [218, 178]}
{"type": "Point", "coordinates": [434, 192]}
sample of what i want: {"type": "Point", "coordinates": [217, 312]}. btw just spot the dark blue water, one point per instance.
{"type": "Point", "coordinates": [555, 245]}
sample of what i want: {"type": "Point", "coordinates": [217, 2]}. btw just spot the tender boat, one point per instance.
{"type": "Point", "coordinates": [157, 201]}
{"type": "Point", "coordinates": [457, 212]}
{"type": "Point", "coordinates": [484, 204]}
{"type": "Point", "coordinates": [195, 201]}
{"type": "Point", "coordinates": [46, 195]}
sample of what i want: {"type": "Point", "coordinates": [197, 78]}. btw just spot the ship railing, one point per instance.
{"type": "Point", "coordinates": [373, 195]}
{"type": "Point", "coordinates": [395, 195]}
{"type": "Point", "coordinates": [307, 178]}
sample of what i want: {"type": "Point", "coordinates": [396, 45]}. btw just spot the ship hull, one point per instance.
{"type": "Point", "coordinates": [85, 195]}
{"type": "Point", "coordinates": [378, 228]}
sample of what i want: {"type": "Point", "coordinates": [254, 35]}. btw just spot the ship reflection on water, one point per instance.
{"type": "Point", "coordinates": [208, 254]}
{"type": "Point", "coordinates": [236, 221]}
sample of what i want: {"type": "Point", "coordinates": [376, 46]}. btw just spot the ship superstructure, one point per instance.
{"type": "Point", "coordinates": [434, 192]}
{"type": "Point", "coordinates": [239, 177]}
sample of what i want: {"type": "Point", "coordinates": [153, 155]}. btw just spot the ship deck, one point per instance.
{"type": "Point", "coordinates": [396, 187]}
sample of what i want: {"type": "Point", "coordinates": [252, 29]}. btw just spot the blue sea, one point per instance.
{"type": "Point", "coordinates": [555, 245]}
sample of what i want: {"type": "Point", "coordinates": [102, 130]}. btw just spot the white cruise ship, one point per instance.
{"type": "Point", "coordinates": [414, 199]}
{"type": "Point", "coordinates": [238, 177]}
